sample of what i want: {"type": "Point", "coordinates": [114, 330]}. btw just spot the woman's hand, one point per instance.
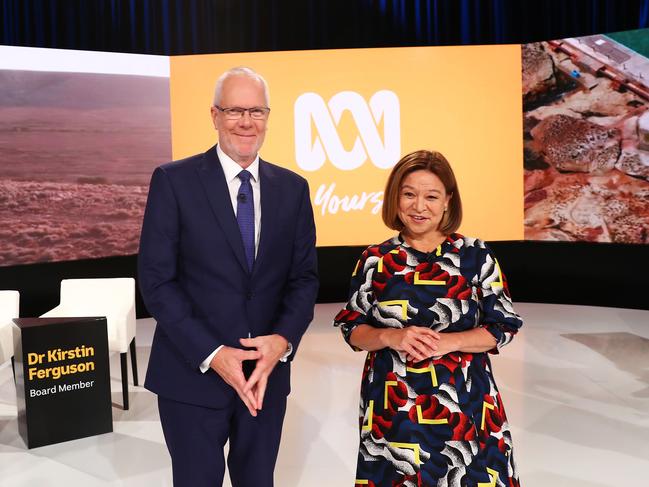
{"type": "Point", "coordinates": [418, 342]}
{"type": "Point", "coordinates": [476, 340]}
{"type": "Point", "coordinates": [447, 343]}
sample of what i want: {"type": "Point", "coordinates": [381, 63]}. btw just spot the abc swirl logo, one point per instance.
{"type": "Point", "coordinates": [382, 149]}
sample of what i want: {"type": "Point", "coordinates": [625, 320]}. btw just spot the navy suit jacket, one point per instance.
{"type": "Point", "coordinates": [195, 282]}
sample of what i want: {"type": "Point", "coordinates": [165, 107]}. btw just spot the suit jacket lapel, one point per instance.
{"type": "Point", "coordinates": [212, 178]}
{"type": "Point", "coordinates": [270, 195]}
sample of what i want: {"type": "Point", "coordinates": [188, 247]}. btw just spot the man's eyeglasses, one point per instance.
{"type": "Point", "coordinates": [235, 113]}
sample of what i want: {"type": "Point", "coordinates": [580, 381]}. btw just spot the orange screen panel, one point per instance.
{"type": "Point", "coordinates": [343, 118]}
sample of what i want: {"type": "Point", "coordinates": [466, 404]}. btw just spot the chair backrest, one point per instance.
{"type": "Point", "coordinates": [106, 293]}
{"type": "Point", "coordinates": [113, 298]}
{"type": "Point", "coordinates": [9, 309]}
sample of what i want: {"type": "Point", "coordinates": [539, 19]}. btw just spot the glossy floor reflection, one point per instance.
{"type": "Point", "coordinates": [575, 383]}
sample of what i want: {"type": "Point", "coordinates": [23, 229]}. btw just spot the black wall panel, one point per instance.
{"type": "Point", "coordinates": [544, 272]}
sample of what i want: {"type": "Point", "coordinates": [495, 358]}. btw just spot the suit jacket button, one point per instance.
{"type": "Point", "coordinates": [249, 295]}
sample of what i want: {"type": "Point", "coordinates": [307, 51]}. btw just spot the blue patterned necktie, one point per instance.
{"type": "Point", "coordinates": [246, 216]}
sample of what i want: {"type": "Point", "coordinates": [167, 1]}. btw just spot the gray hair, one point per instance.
{"type": "Point", "coordinates": [239, 71]}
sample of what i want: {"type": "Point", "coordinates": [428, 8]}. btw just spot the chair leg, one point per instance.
{"type": "Point", "coordinates": [122, 357]}
{"type": "Point", "coordinates": [13, 367]}
{"type": "Point", "coordinates": [134, 362]}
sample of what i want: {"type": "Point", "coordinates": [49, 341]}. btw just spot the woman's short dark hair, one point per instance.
{"type": "Point", "coordinates": [422, 160]}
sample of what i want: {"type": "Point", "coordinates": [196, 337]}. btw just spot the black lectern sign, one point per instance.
{"type": "Point", "coordinates": [62, 379]}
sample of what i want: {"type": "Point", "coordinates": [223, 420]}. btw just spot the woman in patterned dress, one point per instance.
{"type": "Point", "coordinates": [429, 305]}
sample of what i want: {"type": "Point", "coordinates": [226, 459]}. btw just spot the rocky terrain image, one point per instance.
{"type": "Point", "coordinates": [586, 155]}
{"type": "Point", "coordinates": [76, 154]}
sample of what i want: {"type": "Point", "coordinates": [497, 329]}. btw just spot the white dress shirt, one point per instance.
{"type": "Point", "coordinates": [231, 170]}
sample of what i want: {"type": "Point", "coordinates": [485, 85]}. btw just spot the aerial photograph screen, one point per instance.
{"type": "Point", "coordinates": [586, 138]}
{"type": "Point", "coordinates": [77, 152]}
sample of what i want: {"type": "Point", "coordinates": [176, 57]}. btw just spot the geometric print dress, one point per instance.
{"type": "Point", "coordinates": [438, 422]}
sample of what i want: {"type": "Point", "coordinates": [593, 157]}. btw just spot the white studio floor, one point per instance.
{"type": "Point", "coordinates": [575, 383]}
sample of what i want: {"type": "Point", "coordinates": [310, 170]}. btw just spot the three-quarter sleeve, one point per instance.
{"type": "Point", "coordinates": [361, 297]}
{"type": "Point", "coordinates": [496, 311]}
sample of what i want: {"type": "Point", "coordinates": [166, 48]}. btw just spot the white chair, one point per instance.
{"type": "Point", "coordinates": [113, 298]}
{"type": "Point", "coordinates": [9, 309]}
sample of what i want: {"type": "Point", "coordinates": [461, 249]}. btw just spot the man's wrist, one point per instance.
{"type": "Point", "coordinates": [207, 363]}
{"type": "Point", "coordinates": [287, 353]}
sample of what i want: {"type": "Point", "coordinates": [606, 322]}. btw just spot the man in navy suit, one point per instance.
{"type": "Point", "coordinates": [227, 267]}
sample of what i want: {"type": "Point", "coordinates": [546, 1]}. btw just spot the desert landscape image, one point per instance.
{"type": "Point", "coordinates": [586, 139]}
{"type": "Point", "coordinates": [76, 154]}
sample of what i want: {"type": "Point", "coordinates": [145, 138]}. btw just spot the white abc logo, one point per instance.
{"type": "Point", "coordinates": [310, 156]}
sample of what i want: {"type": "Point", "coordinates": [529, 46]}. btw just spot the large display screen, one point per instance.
{"type": "Point", "coordinates": [342, 119]}
{"type": "Point", "coordinates": [586, 135]}
{"type": "Point", "coordinates": [81, 132]}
